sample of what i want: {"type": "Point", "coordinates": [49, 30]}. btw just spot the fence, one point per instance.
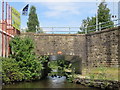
{"type": "Point", "coordinates": [75, 30]}
{"type": "Point", "coordinates": [60, 30]}
{"type": "Point", "coordinates": [116, 23]}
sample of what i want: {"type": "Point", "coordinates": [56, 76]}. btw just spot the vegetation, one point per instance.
{"type": "Point", "coordinates": [62, 68]}
{"type": "Point", "coordinates": [33, 22]}
{"type": "Point", "coordinates": [102, 73]}
{"type": "Point", "coordinates": [10, 70]}
{"type": "Point", "coordinates": [71, 77]}
{"type": "Point", "coordinates": [22, 64]}
{"type": "Point", "coordinates": [103, 16]}
{"type": "Point", "coordinates": [58, 67]}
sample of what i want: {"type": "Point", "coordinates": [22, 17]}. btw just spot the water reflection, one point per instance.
{"type": "Point", "coordinates": [49, 82]}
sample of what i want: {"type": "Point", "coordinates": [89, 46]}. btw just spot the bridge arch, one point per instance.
{"type": "Point", "coordinates": [72, 46]}
{"type": "Point", "coordinates": [94, 50]}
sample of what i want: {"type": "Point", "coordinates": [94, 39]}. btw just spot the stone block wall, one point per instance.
{"type": "Point", "coordinates": [103, 48]}
{"type": "Point", "coordinates": [68, 44]}
{"type": "Point", "coordinates": [51, 44]}
{"type": "Point", "coordinates": [95, 49]}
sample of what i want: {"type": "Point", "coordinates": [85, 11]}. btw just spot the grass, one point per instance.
{"type": "Point", "coordinates": [102, 73]}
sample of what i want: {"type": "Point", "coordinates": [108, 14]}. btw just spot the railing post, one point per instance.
{"type": "Point", "coordinates": [86, 31]}
{"type": "Point", "coordinates": [69, 30]}
{"type": "Point", "coordinates": [36, 29]}
{"type": "Point", "coordinates": [100, 26]}
{"type": "Point", "coordinates": [52, 31]}
{"type": "Point", "coordinates": [97, 17]}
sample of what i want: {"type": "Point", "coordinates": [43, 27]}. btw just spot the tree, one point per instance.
{"type": "Point", "coordinates": [33, 22]}
{"type": "Point", "coordinates": [88, 23]}
{"type": "Point", "coordinates": [84, 24]}
{"type": "Point", "coordinates": [103, 16]}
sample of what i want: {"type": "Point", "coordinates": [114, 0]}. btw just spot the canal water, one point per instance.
{"type": "Point", "coordinates": [49, 82]}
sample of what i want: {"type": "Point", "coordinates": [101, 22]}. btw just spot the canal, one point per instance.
{"type": "Point", "coordinates": [49, 82]}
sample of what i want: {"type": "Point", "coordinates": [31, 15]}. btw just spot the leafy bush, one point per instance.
{"type": "Point", "coordinates": [10, 70]}
{"type": "Point", "coordinates": [23, 52]}
{"type": "Point", "coordinates": [22, 63]}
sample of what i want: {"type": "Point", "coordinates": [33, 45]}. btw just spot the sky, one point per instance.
{"type": "Point", "coordinates": [60, 13]}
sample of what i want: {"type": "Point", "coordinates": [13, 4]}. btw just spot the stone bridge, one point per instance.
{"type": "Point", "coordinates": [93, 49]}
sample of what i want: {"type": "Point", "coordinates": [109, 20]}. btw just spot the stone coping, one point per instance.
{"type": "Point", "coordinates": [103, 31]}
{"type": "Point", "coordinates": [91, 33]}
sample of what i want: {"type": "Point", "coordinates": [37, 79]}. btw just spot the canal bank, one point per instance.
{"type": "Point", "coordinates": [101, 84]}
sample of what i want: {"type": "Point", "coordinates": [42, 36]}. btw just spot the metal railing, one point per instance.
{"type": "Point", "coordinates": [60, 30]}
{"type": "Point", "coordinates": [116, 23]}
{"type": "Point", "coordinates": [75, 30]}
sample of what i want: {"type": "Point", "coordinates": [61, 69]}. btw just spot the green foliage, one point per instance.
{"type": "Point", "coordinates": [58, 67]}
{"type": "Point", "coordinates": [103, 16]}
{"type": "Point", "coordinates": [43, 59]}
{"type": "Point", "coordinates": [92, 77]}
{"type": "Point", "coordinates": [53, 64]}
{"type": "Point", "coordinates": [22, 63]}
{"type": "Point", "coordinates": [32, 20]}
{"type": "Point", "coordinates": [22, 52]}
{"type": "Point", "coordinates": [21, 48]}
{"type": "Point", "coordinates": [10, 70]}
{"type": "Point", "coordinates": [71, 77]}
{"type": "Point", "coordinates": [84, 24]}
{"type": "Point", "coordinates": [102, 73]}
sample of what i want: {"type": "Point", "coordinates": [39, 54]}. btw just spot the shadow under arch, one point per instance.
{"type": "Point", "coordinates": [76, 61]}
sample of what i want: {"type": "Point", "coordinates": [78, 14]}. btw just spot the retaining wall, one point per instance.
{"type": "Point", "coordinates": [103, 48]}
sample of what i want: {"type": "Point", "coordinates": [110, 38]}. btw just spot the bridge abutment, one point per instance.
{"type": "Point", "coordinates": [94, 49]}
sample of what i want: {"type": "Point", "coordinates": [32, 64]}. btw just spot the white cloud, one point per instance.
{"type": "Point", "coordinates": [52, 13]}
{"type": "Point", "coordinates": [61, 9]}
